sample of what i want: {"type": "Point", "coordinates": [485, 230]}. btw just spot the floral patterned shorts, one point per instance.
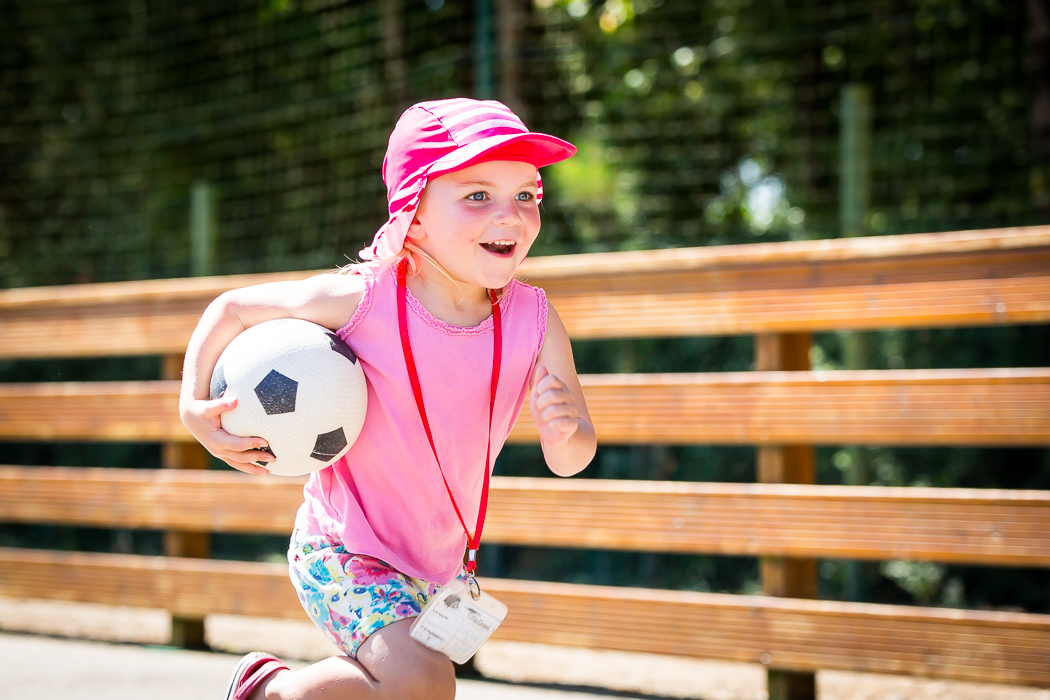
{"type": "Point", "coordinates": [350, 596]}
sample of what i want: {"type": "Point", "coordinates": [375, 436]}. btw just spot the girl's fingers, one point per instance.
{"type": "Point", "coordinates": [558, 431]}
{"type": "Point", "coordinates": [236, 443]}
{"type": "Point", "coordinates": [543, 381]}
{"type": "Point", "coordinates": [564, 424]}
{"type": "Point", "coordinates": [214, 409]}
{"type": "Point", "coordinates": [242, 453]}
{"type": "Point", "coordinates": [554, 396]}
{"type": "Point", "coordinates": [552, 413]}
{"type": "Point", "coordinates": [555, 408]}
{"type": "Point", "coordinates": [247, 467]}
{"type": "Point", "coordinates": [253, 456]}
{"type": "Point", "coordinates": [550, 382]}
{"type": "Point", "coordinates": [246, 457]}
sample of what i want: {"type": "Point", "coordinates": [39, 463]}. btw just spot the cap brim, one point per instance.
{"type": "Point", "coordinates": [547, 149]}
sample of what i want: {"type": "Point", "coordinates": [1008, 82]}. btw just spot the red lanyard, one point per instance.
{"type": "Point", "coordinates": [497, 353]}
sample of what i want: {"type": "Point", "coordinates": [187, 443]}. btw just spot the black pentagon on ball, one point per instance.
{"type": "Point", "coordinates": [328, 445]}
{"type": "Point", "coordinates": [276, 393]}
{"type": "Point", "coordinates": [218, 383]}
{"type": "Point", "coordinates": [340, 346]}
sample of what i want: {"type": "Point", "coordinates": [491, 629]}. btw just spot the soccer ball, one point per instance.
{"type": "Point", "coordinates": [299, 387]}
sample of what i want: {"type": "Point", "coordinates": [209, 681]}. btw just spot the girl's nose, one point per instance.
{"type": "Point", "coordinates": [507, 215]}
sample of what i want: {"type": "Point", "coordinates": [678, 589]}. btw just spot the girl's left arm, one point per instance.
{"type": "Point", "coordinates": [557, 404]}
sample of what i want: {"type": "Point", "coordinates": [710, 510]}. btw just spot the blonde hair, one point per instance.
{"type": "Point", "coordinates": [409, 250]}
{"type": "Point", "coordinates": [415, 255]}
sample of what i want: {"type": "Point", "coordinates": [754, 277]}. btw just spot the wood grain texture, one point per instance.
{"type": "Point", "coordinates": [977, 526]}
{"type": "Point", "coordinates": [787, 577]}
{"type": "Point", "coordinates": [92, 411]}
{"type": "Point", "coordinates": [785, 633]}
{"type": "Point", "coordinates": [920, 280]}
{"type": "Point", "coordinates": [158, 499]}
{"type": "Point", "coordinates": [184, 455]}
{"type": "Point", "coordinates": [726, 311]}
{"type": "Point", "coordinates": [900, 407]}
{"type": "Point", "coordinates": [1001, 647]}
{"type": "Point", "coordinates": [186, 587]}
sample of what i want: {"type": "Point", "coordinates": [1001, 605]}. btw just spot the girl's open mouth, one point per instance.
{"type": "Point", "coordinates": [503, 249]}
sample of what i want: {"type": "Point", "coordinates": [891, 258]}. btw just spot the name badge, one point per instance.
{"type": "Point", "coordinates": [458, 620]}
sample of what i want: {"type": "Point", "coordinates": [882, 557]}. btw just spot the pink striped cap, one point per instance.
{"type": "Point", "coordinates": [438, 137]}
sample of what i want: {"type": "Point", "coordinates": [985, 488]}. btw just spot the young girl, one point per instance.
{"type": "Point", "coordinates": [435, 305]}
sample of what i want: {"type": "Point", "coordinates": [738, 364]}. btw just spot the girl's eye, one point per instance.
{"type": "Point", "coordinates": [526, 196]}
{"type": "Point", "coordinates": [476, 196]}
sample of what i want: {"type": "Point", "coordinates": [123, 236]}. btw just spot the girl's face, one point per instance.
{"type": "Point", "coordinates": [479, 222]}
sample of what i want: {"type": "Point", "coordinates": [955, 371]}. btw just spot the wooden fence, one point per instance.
{"type": "Point", "coordinates": [779, 292]}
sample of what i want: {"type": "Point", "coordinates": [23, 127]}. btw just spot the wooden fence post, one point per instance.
{"type": "Point", "coordinates": [786, 464]}
{"type": "Point", "coordinates": [186, 632]}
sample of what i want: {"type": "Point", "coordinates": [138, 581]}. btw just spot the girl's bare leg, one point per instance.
{"type": "Point", "coordinates": [389, 665]}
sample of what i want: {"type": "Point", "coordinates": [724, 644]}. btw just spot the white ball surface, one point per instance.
{"type": "Point", "coordinates": [299, 387]}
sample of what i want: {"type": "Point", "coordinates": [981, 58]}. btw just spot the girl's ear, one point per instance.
{"type": "Point", "coordinates": [416, 232]}
{"type": "Point", "coordinates": [415, 229]}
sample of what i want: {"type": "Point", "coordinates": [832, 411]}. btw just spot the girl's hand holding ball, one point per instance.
{"type": "Point", "coordinates": [553, 408]}
{"type": "Point", "coordinates": [203, 419]}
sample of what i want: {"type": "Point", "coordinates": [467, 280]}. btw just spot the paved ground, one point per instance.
{"type": "Point", "coordinates": [47, 668]}
{"type": "Point", "coordinates": [44, 655]}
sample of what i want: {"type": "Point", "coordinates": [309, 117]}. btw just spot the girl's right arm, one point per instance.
{"type": "Point", "coordinates": [327, 300]}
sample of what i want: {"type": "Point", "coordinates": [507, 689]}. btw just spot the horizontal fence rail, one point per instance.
{"type": "Point", "coordinates": [980, 526]}
{"type": "Point", "coordinates": [893, 407]}
{"type": "Point", "coordinates": [780, 633]}
{"type": "Point", "coordinates": [899, 407]}
{"type": "Point", "coordinates": [919, 280]}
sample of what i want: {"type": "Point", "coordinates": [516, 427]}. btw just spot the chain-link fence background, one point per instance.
{"type": "Point", "coordinates": [698, 122]}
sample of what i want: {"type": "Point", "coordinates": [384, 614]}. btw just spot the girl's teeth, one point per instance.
{"type": "Point", "coordinates": [499, 246]}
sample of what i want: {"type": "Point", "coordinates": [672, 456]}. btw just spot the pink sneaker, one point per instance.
{"type": "Point", "coordinates": [253, 669]}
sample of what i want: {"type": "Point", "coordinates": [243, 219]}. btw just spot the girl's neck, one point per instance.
{"type": "Point", "coordinates": [464, 305]}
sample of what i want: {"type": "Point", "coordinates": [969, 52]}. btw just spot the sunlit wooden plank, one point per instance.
{"type": "Point", "coordinates": [998, 647]}
{"type": "Point", "coordinates": [921, 280]}
{"type": "Point", "coordinates": [899, 407]}
{"type": "Point", "coordinates": [978, 526]}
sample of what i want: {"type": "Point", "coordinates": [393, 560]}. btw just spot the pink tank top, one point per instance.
{"type": "Point", "coordinates": [385, 498]}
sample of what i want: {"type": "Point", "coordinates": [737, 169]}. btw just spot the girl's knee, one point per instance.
{"type": "Point", "coordinates": [404, 668]}
{"type": "Point", "coordinates": [419, 674]}
{"type": "Point", "coordinates": [435, 680]}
